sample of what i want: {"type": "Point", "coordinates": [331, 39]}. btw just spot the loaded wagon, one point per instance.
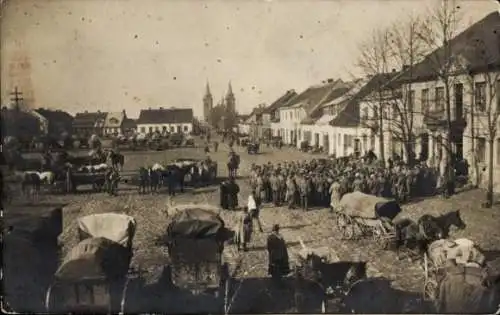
{"type": "Point", "coordinates": [96, 179]}
{"type": "Point", "coordinates": [361, 214]}
{"type": "Point", "coordinates": [198, 277]}
{"type": "Point", "coordinates": [253, 148]}
{"type": "Point", "coordinates": [94, 276]}
{"type": "Point", "coordinates": [207, 170]}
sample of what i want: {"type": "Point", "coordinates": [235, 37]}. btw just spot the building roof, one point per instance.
{"type": "Point", "coordinates": [54, 115]}
{"type": "Point", "coordinates": [282, 101]}
{"type": "Point", "coordinates": [129, 123]}
{"type": "Point", "coordinates": [313, 95]}
{"type": "Point", "coordinates": [114, 119]}
{"type": "Point", "coordinates": [476, 49]}
{"type": "Point", "coordinates": [88, 119]}
{"type": "Point", "coordinates": [348, 115]}
{"type": "Point", "coordinates": [166, 116]}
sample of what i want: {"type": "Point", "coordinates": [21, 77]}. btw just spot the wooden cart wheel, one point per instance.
{"type": "Point", "coordinates": [345, 226]}
{"type": "Point", "coordinates": [430, 290]}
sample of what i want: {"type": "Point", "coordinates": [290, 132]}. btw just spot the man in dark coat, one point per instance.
{"type": "Point", "coordinates": [279, 265]}
{"type": "Point", "coordinates": [224, 204]}
{"type": "Point", "coordinates": [232, 193]}
{"type": "Point", "coordinates": [172, 178]}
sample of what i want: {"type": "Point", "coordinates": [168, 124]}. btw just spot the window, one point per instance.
{"type": "Point", "coordinates": [365, 113]}
{"type": "Point", "coordinates": [411, 101]}
{"type": "Point", "coordinates": [143, 129]}
{"type": "Point", "coordinates": [151, 129]}
{"type": "Point", "coordinates": [164, 128]}
{"type": "Point", "coordinates": [480, 96]}
{"type": "Point", "coordinates": [425, 101]}
{"type": "Point", "coordinates": [375, 112]}
{"type": "Point", "coordinates": [481, 149]}
{"type": "Point", "coordinates": [186, 129]}
{"type": "Point", "coordinates": [439, 99]}
{"type": "Point", "coordinates": [459, 100]}
{"type": "Point", "coordinates": [172, 129]}
{"type": "Point", "coordinates": [498, 151]}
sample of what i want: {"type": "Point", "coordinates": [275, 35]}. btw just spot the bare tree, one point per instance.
{"type": "Point", "coordinates": [440, 27]}
{"type": "Point", "coordinates": [375, 61]}
{"type": "Point", "coordinates": [396, 47]}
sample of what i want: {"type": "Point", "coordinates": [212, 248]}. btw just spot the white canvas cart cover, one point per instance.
{"type": "Point", "coordinates": [358, 204]}
{"type": "Point", "coordinates": [119, 228]}
{"type": "Point", "coordinates": [462, 250]}
{"type": "Point", "coordinates": [94, 258]}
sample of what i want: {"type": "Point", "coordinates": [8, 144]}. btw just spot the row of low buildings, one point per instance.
{"type": "Point", "coordinates": [345, 117]}
{"type": "Point", "coordinates": [56, 122]}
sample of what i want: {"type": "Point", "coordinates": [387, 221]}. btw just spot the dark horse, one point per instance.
{"type": "Point", "coordinates": [117, 160]}
{"type": "Point", "coordinates": [419, 235]}
{"type": "Point", "coordinates": [316, 280]}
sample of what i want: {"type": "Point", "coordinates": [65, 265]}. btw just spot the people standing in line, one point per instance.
{"type": "Point", "coordinates": [279, 265]}
{"type": "Point", "coordinates": [244, 229]}
{"type": "Point", "coordinates": [253, 206]}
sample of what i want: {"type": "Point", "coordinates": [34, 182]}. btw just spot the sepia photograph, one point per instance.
{"type": "Point", "coordinates": [250, 156]}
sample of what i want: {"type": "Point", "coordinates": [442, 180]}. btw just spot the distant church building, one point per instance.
{"type": "Point", "coordinates": [208, 103]}
{"type": "Point", "coordinates": [229, 102]}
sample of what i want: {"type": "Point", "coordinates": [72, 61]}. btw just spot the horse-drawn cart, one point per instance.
{"type": "Point", "coordinates": [361, 214]}
{"type": "Point", "coordinates": [94, 276]}
{"type": "Point", "coordinates": [199, 278]}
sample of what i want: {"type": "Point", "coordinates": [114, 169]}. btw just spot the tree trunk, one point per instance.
{"type": "Point", "coordinates": [449, 137]}
{"type": "Point", "coordinates": [489, 193]}
{"type": "Point", "coordinates": [381, 130]}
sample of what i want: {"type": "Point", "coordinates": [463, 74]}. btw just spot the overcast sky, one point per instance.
{"type": "Point", "coordinates": [132, 54]}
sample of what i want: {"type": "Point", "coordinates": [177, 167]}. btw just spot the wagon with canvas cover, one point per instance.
{"type": "Point", "coordinates": [363, 214]}
{"type": "Point", "coordinates": [94, 276]}
{"type": "Point", "coordinates": [199, 278]}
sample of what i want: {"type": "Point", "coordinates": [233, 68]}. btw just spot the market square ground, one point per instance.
{"type": "Point", "coordinates": [315, 227]}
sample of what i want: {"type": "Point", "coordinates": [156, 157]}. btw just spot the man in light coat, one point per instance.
{"type": "Point", "coordinates": [253, 208]}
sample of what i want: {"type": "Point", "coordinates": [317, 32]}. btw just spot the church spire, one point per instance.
{"type": "Point", "coordinates": [207, 92]}
{"type": "Point", "coordinates": [229, 89]}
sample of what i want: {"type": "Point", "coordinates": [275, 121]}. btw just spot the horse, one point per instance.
{"type": "Point", "coordinates": [445, 221]}
{"type": "Point", "coordinates": [233, 165]}
{"type": "Point", "coordinates": [419, 235]}
{"type": "Point", "coordinates": [117, 160]}
{"type": "Point", "coordinates": [30, 184]}
{"type": "Point", "coordinates": [321, 279]}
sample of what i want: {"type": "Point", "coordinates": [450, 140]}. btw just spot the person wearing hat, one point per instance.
{"type": "Point", "coordinates": [279, 265]}
{"type": "Point", "coordinates": [244, 229]}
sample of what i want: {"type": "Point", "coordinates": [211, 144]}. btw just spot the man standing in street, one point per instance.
{"type": "Point", "coordinates": [253, 208]}
{"type": "Point", "coordinates": [278, 255]}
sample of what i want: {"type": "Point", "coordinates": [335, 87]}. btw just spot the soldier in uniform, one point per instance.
{"type": "Point", "coordinates": [291, 191]}
{"type": "Point", "coordinates": [281, 180]}
{"type": "Point", "coordinates": [273, 182]}
{"type": "Point", "coordinates": [304, 191]}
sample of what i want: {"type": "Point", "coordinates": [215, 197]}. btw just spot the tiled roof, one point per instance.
{"type": "Point", "coordinates": [478, 47]}
{"type": "Point", "coordinates": [283, 101]}
{"type": "Point", "coordinates": [114, 119]}
{"type": "Point", "coordinates": [54, 115]}
{"type": "Point", "coordinates": [165, 116]}
{"type": "Point", "coordinates": [349, 114]}
{"type": "Point", "coordinates": [313, 95]}
{"type": "Point", "coordinates": [129, 123]}
{"type": "Point", "coordinates": [88, 119]}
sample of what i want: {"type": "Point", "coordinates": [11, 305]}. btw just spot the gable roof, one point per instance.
{"type": "Point", "coordinates": [313, 95]}
{"type": "Point", "coordinates": [166, 116]}
{"type": "Point", "coordinates": [114, 119]}
{"type": "Point", "coordinates": [129, 123]}
{"type": "Point", "coordinates": [88, 119]}
{"type": "Point", "coordinates": [54, 115]}
{"type": "Point", "coordinates": [348, 115]}
{"type": "Point", "coordinates": [282, 101]}
{"type": "Point", "coordinates": [485, 33]}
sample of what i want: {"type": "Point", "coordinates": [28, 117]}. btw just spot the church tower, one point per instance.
{"type": "Point", "coordinates": [230, 100]}
{"type": "Point", "coordinates": [207, 104]}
